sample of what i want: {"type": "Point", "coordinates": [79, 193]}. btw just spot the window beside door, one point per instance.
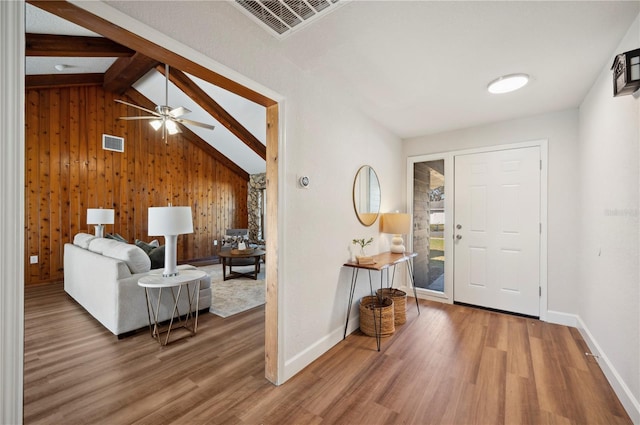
{"type": "Point", "coordinates": [428, 224]}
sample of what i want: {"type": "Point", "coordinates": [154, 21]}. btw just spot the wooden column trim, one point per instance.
{"type": "Point", "coordinates": [271, 337]}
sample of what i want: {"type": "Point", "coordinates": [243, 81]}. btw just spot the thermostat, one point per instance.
{"type": "Point", "coordinates": [304, 182]}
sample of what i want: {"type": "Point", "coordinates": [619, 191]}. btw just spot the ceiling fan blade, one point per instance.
{"type": "Point", "coordinates": [179, 111]}
{"type": "Point", "coordinates": [196, 123]}
{"type": "Point", "coordinates": [138, 118]}
{"type": "Point", "coordinates": [138, 107]}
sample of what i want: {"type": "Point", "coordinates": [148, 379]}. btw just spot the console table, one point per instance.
{"type": "Point", "coordinates": [173, 284]}
{"type": "Point", "coordinates": [381, 263]}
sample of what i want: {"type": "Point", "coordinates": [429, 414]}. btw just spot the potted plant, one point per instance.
{"type": "Point", "coordinates": [363, 258]}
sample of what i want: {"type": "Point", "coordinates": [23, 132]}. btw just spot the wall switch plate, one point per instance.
{"type": "Point", "coordinates": [33, 259]}
{"type": "Point", "coordinates": [215, 242]}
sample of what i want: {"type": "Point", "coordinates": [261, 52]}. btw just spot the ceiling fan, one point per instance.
{"type": "Point", "coordinates": [164, 116]}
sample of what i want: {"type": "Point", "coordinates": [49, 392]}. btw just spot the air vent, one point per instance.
{"type": "Point", "coordinates": [112, 143]}
{"type": "Point", "coordinates": [280, 17]}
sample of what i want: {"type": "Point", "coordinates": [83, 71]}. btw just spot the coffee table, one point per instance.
{"type": "Point", "coordinates": [227, 260]}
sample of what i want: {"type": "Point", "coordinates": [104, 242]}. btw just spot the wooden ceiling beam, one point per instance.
{"type": "Point", "coordinates": [62, 80]}
{"type": "Point", "coordinates": [191, 89]}
{"type": "Point", "coordinates": [85, 19]}
{"type": "Point", "coordinates": [73, 46]}
{"type": "Point", "coordinates": [126, 71]}
{"type": "Point", "coordinates": [139, 99]}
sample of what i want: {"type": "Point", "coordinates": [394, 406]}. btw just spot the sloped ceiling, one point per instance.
{"type": "Point", "coordinates": [250, 115]}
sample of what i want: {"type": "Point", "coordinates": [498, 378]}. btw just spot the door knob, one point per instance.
{"type": "Point", "coordinates": [458, 237]}
{"type": "Point", "coordinates": [459, 226]}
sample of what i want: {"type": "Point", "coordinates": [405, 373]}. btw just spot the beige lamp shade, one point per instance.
{"type": "Point", "coordinates": [396, 223]}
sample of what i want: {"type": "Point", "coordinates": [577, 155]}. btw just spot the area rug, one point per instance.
{"type": "Point", "coordinates": [235, 295]}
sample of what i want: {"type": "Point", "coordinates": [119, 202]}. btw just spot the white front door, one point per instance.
{"type": "Point", "coordinates": [497, 230]}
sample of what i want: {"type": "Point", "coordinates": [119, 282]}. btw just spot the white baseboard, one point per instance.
{"type": "Point", "coordinates": [560, 318]}
{"type": "Point", "coordinates": [306, 357]}
{"type": "Point", "coordinates": [626, 397]}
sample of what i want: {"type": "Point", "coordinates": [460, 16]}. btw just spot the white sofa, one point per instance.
{"type": "Point", "coordinates": [102, 275]}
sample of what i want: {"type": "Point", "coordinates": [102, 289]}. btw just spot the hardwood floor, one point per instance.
{"type": "Point", "coordinates": [450, 365]}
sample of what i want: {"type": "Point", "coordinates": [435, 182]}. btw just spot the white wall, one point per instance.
{"type": "Point", "coordinates": [561, 131]}
{"type": "Point", "coordinates": [326, 139]}
{"type": "Point", "coordinates": [609, 276]}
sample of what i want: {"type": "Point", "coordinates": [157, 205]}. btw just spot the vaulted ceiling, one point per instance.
{"type": "Point", "coordinates": [60, 53]}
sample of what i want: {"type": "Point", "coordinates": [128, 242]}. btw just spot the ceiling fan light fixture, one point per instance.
{"type": "Point", "coordinates": [156, 124]}
{"type": "Point", "coordinates": [172, 127]}
{"type": "Point", "coordinates": [508, 83]}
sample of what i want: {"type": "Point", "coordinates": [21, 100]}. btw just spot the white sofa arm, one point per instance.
{"type": "Point", "coordinates": [91, 280]}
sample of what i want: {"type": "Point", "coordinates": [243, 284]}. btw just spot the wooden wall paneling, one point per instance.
{"type": "Point", "coordinates": [140, 186]}
{"type": "Point", "coordinates": [128, 181]}
{"type": "Point", "coordinates": [209, 217]}
{"type": "Point", "coordinates": [69, 102]}
{"type": "Point", "coordinates": [44, 177]}
{"type": "Point", "coordinates": [77, 120]}
{"type": "Point", "coordinates": [58, 121]}
{"type": "Point", "coordinates": [67, 171]}
{"type": "Point", "coordinates": [32, 182]}
{"type": "Point", "coordinates": [83, 164]}
{"type": "Point", "coordinates": [91, 179]}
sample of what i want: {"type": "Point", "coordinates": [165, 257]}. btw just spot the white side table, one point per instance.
{"type": "Point", "coordinates": [175, 284]}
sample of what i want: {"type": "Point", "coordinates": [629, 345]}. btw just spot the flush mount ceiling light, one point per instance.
{"type": "Point", "coordinates": [508, 83]}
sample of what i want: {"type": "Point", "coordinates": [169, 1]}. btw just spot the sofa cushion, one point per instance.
{"type": "Point", "coordinates": [135, 258]}
{"type": "Point", "coordinates": [83, 239]}
{"type": "Point", "coordinates": [100, 245]}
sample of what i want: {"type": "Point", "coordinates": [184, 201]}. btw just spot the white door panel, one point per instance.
{"type": "Point", "coordinates": [497, 222]}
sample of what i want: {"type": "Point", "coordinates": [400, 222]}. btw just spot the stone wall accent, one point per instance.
{"type": "Point", "coordinates": [421, 230]}
{"type": "Point", "coordinates": [257, 184]}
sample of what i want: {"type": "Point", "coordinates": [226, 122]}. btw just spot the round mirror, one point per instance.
{"type": "Point", "coordinates": [366, 195]}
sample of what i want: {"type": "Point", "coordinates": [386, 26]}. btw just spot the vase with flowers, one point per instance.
{"type": "Point", "coordinates": [363, 258]}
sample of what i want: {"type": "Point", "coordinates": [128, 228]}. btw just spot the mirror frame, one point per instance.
{"type": "Point", "coordinates": [365, 221]}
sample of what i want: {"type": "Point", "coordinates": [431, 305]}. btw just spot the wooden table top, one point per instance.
{"type": "Point", "coordinates": [383, 260]}
{"type": "Point", "coordinates": [255, 253]}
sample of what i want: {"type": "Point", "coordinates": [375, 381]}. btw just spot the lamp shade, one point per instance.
{"type": "Point", "coordinates": [396, 223]}
{"type": "Point", "coordinates": [170, 221]}
{"type": "Point", "coordinates": [99, 216]}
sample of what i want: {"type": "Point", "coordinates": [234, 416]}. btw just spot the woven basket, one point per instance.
{"type": "Point", "coordinates": [399, 303]}
{"type": "Point", "coordinates": [372, 309]}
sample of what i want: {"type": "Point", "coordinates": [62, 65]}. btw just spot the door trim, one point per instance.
{"type": "Point", "coordinates": [448, 157]}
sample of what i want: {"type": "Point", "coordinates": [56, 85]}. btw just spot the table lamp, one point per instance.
{"type": "Point", "coordinates": [397, 224]}
{"type": "Point", "coordinates": [99, 217]}
{"type": "Point", "coordinates": [170, 222]}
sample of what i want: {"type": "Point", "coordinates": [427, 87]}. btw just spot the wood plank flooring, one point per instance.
{"type": "Point", "coordinates": [450, 365]}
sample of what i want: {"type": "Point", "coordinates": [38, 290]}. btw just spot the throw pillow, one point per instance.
{"type": "Point", "coordinates": [146, 247]}
{"type": "Point", "coordinates": [157, 257]}
{"type": "Point", "coordinates": [116, 237]}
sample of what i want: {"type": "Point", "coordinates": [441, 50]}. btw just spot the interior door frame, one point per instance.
{"type": "Point", "coordinates": [448, 295]}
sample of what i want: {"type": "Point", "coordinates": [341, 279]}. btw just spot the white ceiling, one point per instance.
{"type": "Point", "coordinates": [422, 67]}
